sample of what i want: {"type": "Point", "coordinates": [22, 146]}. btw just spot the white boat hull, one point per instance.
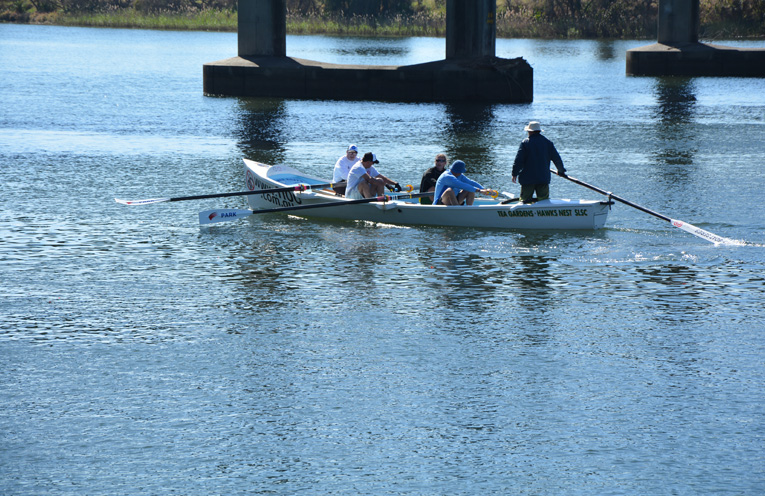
{"type": "Point", "coordinates": [553, 214]}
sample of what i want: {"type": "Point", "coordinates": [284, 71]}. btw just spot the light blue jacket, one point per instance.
{"type": "Point", "coordinates": [449, 180]}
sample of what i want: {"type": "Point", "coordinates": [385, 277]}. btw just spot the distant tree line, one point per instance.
{"type": "Point", "coordinates": [329, 7]}
{"type": "Point", "coordinates": [515, 18]}
{"type": "Point", "coordinates": [355, 7]}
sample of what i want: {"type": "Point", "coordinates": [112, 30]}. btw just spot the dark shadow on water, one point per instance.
{"type": "Point", "coordinates": [467, 136]}
{"type": "Point", "coordinates": [273, 260]}
{"type": "Point", "coordinates": [606, 51]}
{"type": "Point", "coordinates": [464, 280]}
{"type": "Point", "coordinates": [257, 268]}
{"type": "Point", "coordinates": [376, 51]}
{"type": "Point", "coordinates": [533, 276]}
{"type": "Point", "coordinates": [675, 290]}
{"type": "Point", "coordinates": [676, 101]}
{"type": "Point", "coordinates": [261, 124]}
{"type": "Point", "coordinates": [675, 110]}
{"type": "Point", "coordinates": [372, 49]}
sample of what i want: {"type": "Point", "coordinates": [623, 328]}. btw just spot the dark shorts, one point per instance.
{"type": "Point", "coordinates": [527, 191]}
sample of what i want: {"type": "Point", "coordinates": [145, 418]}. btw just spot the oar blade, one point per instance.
{"type": "Point", "coordinates": [696, 231]}
{"type": "Point", "coordinates": [222, 215]}
{"type": "Point", "coordinates": [142, 202]}
{"type": "Point", "coordinates": [701, 233]}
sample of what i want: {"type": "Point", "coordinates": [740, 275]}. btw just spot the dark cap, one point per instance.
{"type": "Point", "coordinates": [370, 157]}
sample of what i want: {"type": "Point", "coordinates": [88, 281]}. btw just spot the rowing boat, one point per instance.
{"type": "Point", "coordinates": [552, 214]}
{"type": "Point", "coordinates": [310, 196]}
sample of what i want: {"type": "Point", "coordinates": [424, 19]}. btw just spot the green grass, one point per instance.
{"type": "Point", "coordinates": [521, 23]}
{"type": "Point", "coordinates": [416, 25]}
{"type": "Point", "coordinates": [205, 20]}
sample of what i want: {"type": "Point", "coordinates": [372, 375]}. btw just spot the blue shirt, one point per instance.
{"type": "Point", "coordinates": [532, 162]}
{"type": "Point", "coordinates": [449, 180]}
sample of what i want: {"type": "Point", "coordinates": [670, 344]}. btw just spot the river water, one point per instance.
{"type": "Point", "coordinates": [142, 354]}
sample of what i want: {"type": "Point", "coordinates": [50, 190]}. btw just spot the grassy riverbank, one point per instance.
{"type": "Point", "coordinates": [206, 20]}
{"type": "Point", "coordinates": [519, 23]}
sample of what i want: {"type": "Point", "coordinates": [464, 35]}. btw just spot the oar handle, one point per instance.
{"type": "Point", "coordinates": [409, 196]}
{"type": "Point", "coordinates": [612, 196]}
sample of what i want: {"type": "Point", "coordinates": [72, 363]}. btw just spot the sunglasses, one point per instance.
{"type": "Point", "coordinates": [440, 160]}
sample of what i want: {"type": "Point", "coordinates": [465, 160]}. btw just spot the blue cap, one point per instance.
{"type": "Point", "coordinates": [458, 167]}
{"type": "Point", "coordinates": [352, 148]}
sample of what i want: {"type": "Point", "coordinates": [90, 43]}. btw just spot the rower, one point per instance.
{"type": "Point", "coordinates": [364, 181]}
{"type": "Point", "coordinates": [343, 166]}
{"type": "Point", "coordinates": [455, 188]}
{"type": "Point", "coordinates": [428, 182]}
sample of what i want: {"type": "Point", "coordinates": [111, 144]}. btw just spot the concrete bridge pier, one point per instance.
{"type": "Point", "coordinates": [262, 28]}
{"type": "Point", "coordinates": [470, 72]}
{"type": "Point", "coordinates": [471, 29]}
{"type": "Point", "coordinates": [679, 53]}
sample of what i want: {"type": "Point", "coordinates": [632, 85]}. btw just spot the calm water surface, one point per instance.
{"type": "Point", "coordinates": [140, 354]}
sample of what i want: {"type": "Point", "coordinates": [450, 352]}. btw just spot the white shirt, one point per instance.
{"type": "Point", "coordinates": [342, 167]}
{"type": "Point", "coordinates": [356, 174]}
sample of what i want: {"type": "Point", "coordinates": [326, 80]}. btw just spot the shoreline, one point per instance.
{"type": "Point", "coordinates": [508, 25]}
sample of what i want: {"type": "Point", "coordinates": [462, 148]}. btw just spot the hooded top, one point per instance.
{"type": "Point", "coordinates": [449, 180]}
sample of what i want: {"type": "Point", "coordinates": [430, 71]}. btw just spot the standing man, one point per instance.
{"type": "Point", "coordinates": [343, 166]}
{"type": "Point", "coordinates": [454, 187]}
{"type": "Point", "coordinates": [532, 164]}
{"type": "Point", "coordinates": [365, 182]}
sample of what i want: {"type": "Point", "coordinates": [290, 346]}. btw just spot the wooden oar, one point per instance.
{"type": "Point", "coordinates": [299, 187]}
{"type": "Point", "coordinates": [227, 214]}
{"type": "Point", "coordinates": [696, 231]}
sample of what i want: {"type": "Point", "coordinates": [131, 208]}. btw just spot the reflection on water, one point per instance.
{"type": "Point", "coordinates": [261, 125]}
{"type": "Point", "coordinates": [374, 51]}
{"type": "Point", "coordinates": [265, 274]}
{"type": "Point", "coordinates": [674, 290]}
{"type": "Point", "coordinates": [534, 277]}
{"type": "Point", "coordinates": [466, 135]}
{"type": "Point", "coordinates": [676, 99]}
{"type": "Point", "coordinates": [464, 280]}
{"type": "Point", "coordinates": [606, 50]}
{"type": "Point", "coordinates": [358, 261]}
{"type": "Point", "coordinates": [676, 106]}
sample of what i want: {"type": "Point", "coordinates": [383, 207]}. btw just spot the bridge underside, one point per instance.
{"type": "Point", "coordinates": [486, 79]}
{"type": "Point", "coordinates": [679, 53]}
{"type": "Point", "coordinates": [695, 59]}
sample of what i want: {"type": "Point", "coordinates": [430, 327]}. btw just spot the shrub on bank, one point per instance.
{"type": "Point", "coordinates": [625, 19]}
